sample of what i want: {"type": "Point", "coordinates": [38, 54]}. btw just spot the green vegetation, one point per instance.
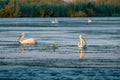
{"type": "Point", "coordinates": [59, 8]}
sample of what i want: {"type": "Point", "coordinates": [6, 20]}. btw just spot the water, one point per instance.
{"type": "Point", "coordinates": [56, 56]}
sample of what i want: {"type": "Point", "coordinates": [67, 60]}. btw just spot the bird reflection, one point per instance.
{"type": "Point", "coordinates": [21, 49]}
{"type": "Point", "coordinates": [82, 53]}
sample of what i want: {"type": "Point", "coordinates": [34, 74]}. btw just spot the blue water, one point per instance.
{"type": "Point", "coordinates": [56, 56]}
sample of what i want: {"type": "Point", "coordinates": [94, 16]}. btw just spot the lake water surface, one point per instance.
{"type": "Point", "coordinates": [56, 56]}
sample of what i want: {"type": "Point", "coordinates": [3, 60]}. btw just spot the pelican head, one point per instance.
{"type": "Point", "coordinates": [80, 36]}
{"type": "Point", "coordinates": [21, 37]}
{"type": "Point", "coordinates": [30, 41]}
{"type": "Point", "coordinates": [82, 39]}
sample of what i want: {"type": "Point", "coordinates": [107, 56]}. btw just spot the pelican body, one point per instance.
{"type": "Point", "coordinates": [82, 44]}
{"type": "Point", "coordinates": [29, 41]}
{"type": "Point", "coordinates": [89, 21]}
{"type": "Point", "coordinates": [55, 21]}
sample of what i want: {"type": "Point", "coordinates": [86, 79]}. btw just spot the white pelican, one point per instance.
{"type": "Point", "coordinates": [89, 20]}
{"type": "Point", "coordinates": [29, 41]}
{"type": "Point", "coordinates": [82, 44]}
{"type": "Point", "coordinates": [55, 21]}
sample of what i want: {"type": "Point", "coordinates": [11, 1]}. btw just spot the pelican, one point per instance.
{"type": "Point", "coordinates": [89, 20]}
{"type": "Point", "coordinates": [29, 41]}
{"type": "Point", "coordinates": [55, 21]}
{"type": "Point", "coordinates": [82, 44]}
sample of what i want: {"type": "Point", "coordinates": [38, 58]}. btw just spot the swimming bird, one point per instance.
{"type": "Point", "coordinates": [82, 44]}
{"type": "Point", "coordinates": [29, 41]}
{"type": "Point", "coordinates": [89, 20]}
{"type": "Point", "coordinates": [55, 21]}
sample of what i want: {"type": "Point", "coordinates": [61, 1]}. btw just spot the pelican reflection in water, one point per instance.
{"type": "Point", "coordinates": [21, 49]}
{"type": "Point", "coordinates": [82, 53]}
{"type": "Point", "coordinates": [29, 41]}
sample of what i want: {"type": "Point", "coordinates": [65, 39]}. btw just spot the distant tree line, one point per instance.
{"type": "Point", "coordinates": [56, 8]}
